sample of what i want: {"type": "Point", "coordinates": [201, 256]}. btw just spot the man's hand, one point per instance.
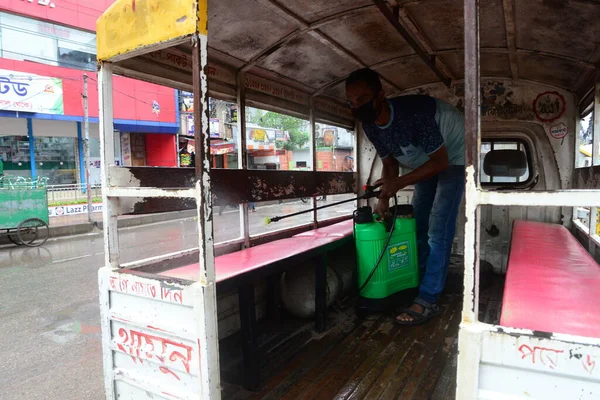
{"type": "Point", "coordinates": [383, 207]}
{"type": "Point", "coordinates": [390, 186]}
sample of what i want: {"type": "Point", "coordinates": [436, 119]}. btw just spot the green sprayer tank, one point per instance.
{"type": "Point", "coordinates": [396, 278]}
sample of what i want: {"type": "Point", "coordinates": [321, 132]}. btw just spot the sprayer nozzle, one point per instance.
{"type": "Point", "coordinates": [267, 221]}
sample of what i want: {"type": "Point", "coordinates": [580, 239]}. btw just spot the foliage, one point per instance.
{"type": "Point", "coordinates": [69, 202]}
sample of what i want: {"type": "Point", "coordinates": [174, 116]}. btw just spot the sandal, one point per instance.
{"type": "Point", "coordinates": [429, 311]}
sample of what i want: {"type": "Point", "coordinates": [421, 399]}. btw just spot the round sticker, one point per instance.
{"type": "Point", "coordinates": [549, 106]}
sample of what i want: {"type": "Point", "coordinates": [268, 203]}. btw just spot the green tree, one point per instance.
{"type": "Point", "coordinates": [296, 127]}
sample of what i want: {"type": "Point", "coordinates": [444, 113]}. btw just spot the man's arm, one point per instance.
{"type": "Point", "coordinates": [391, 168]}
{"type": "Point", "coordinates": [438, 161]}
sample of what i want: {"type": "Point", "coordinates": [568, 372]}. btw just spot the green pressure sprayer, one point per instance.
{"type": "Point", "coordinates": [386, 250]}
{"type": "Point", "coordinates": [386, 253]}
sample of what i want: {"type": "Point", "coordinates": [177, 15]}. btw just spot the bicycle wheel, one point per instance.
{"type": "Point", "coordinates": [304, 199]}
{"type": "Point", "coordinates": [33, 232]}
{"type": "Point", "coordinates": [13, 237]}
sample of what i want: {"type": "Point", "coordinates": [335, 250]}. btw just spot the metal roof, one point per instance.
{"type": "Point", "coordinates": [312, 46]}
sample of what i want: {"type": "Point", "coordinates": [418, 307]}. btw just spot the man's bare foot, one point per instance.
{"type": "Point", "coordinates": [404, 317]}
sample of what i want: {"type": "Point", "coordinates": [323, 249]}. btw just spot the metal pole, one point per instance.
{"type": "Point", "coordinates": [469, 339]}
{"type": "Point", "coordinates": [242, 153]}
{"type": "Point", "coordinates": [86, 147]}
{"type": "Point", "coordinates": [313, 154]}
{"type": "Point", "coordinates": [595, 161]}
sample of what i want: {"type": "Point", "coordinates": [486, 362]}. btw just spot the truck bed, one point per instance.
{"type": "Point", "coordinates": [358, 359]}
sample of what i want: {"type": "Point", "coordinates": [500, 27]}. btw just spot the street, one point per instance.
{"type": "Point", "coordinates": [50, 342]}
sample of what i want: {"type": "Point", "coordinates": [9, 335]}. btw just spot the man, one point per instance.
{"type": "Point", "coordinates": [426, 135]}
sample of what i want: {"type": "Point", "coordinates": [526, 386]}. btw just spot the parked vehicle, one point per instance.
{"type": "Point", "coordinates": [222, 320]}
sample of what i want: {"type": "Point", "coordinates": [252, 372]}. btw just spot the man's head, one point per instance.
{"type": "Point", "coordinates": [365, 95]}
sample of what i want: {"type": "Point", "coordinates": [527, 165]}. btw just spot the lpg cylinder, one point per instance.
{"type": "Point", "coordinates": [298, 290]}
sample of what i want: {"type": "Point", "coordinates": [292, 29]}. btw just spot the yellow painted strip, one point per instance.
{"type": "Point", "coordinates": [129, 25]}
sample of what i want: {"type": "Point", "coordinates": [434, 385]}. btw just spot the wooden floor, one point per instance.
{"type": "Point", "coordinates": [358, 359]}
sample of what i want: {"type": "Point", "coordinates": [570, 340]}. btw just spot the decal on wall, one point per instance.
{"type": "Point", "coordinates": [558, 131]}
{"type": "Point", "coordinates": [155, 107]}
{"type": "Point", "coordinates": [497, 101]}
{"type": "Point", "coordinates": [549, 106]}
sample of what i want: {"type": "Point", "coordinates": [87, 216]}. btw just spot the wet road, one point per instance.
{"type": "Point", "coordinates": [50, 342]}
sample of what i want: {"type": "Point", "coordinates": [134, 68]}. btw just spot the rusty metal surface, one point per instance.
{"type": "Point", "coordinates": [586, 178]}
{"type": "Point", "coordinates": [313, 45]}
{"type": "Point", "coordinates": [426, 58]}
{"type": "Point", "coordinates": [233, 186]}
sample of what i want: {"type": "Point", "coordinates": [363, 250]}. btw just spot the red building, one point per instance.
{"type": "Point", "coordinates": [46, 47]}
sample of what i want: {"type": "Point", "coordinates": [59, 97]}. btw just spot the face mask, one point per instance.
{"type": "Point", "coordinates": [365, 113]}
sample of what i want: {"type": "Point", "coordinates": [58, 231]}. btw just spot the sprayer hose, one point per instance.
{"type": "Point", "coordinates": [383, 251]}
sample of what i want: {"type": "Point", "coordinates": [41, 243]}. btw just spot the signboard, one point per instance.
{"type": "Point", "coordinates": [187, 103]}
{"type": "Point", "coordinates": [281, 136]}
{"type": "Point", "coordinates": [72, 209]}
{"type": "Point", "coordinates": [215, 127]}
{"type": "Point", "coordinates": [126, 149]}
{"type": "Point", "coordinates": [275, 89]}
{"type": "Point", "coordinates": [328, 137]}
{"type": "Point", "coordinates": [190, 125]}
{"type": "Point", "coordinates": [259, 135]}
{"type": "Point", "coordinates": [20, 91]}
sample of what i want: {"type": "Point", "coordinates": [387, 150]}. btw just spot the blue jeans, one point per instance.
{"type": "Point", "coordinates": [436, 202]}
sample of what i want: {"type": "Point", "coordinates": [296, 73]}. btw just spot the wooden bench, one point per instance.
{"type": "Point", "coordinates": [552, 283]}
{"type": "Point", "coordinates": [243, 269]}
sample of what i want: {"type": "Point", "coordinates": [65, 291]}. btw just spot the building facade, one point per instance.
{"type": "Point", "coordinates": [46, 48]}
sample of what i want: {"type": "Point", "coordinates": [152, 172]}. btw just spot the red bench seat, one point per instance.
{"type": "Point", "coordinates": [341, 229]}
{"type": "Point", "coordinates": [552, 282]}
{"type": "Point", "coordinates": [241, 262]}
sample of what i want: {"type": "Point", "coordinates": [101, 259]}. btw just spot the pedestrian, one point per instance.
{"type": "Point", "coordinates": [252, 206]}
{"type": "Point", "coordinates": [425, 135]}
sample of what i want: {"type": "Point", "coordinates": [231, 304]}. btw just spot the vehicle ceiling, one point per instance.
{"type": "Point", "coordinates": [314, 45]}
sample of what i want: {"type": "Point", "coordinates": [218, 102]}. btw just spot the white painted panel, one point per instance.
{"type": "Point", "coordinates": [128, 391]}
{"type": "Point", "coordinates": [13, 127]}
{"type": "Point", "coordinates": [43, 127]}
{"type": "Point", "coordinates": [501, 382]}
{"type": "Point", "coordinates": [515, 366]}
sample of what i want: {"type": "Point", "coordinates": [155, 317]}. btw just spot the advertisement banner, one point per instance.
{"type": "Point", "coordinates": [126, 149]}
{"type": "Point", "coordinates": [259, 135]}
{"type": "Point", "coordinates": [20, 91]}
{"type": "Point", "coordinates": [72, 209]}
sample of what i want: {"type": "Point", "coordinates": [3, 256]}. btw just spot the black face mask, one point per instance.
{"type": "Point", "coordinates": [365, 113]}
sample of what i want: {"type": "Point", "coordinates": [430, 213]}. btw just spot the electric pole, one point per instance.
{"type": "Point", "coordinates": [86, 148]}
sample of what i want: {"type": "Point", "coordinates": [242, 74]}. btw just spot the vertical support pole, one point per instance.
{"type": "Point", "coordinates": [313, 153]}
{"type": "Point", "coordinates": [31, 148]}
{"type": "Point", "coordinates": [595, 161]}
{"type": "Point", "coordinates": [596, 127]}
{"type": "Point", "coordinates": [86, 147]}
{"type": "Point", "coordinates": [468, 361]}
{"type": "Point", "coordinates": [107, 154]}
{"type": "Point", "coordinates": [251, 364]}
{"type": "Point", "coordinates": [313, 134]}
{"type": "Point", "coordinates": [321, 294]}
{"type": "Point", "coordinates": [315, 215]}
{"type": "Point", "coordinates": [207, 298]}
{"type": "Point", "coordinates": [243, 151]}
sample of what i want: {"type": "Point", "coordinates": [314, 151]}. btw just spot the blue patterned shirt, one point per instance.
{"type": "Point", "coordinates": [419, 126]}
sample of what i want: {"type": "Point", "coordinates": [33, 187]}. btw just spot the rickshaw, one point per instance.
{"type": "Point", "coordinates": [522, 71]}
{"type": "Point", "coordinates": [24, 210]}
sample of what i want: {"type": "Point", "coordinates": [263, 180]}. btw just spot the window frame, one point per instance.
{"type": "Point", "coordinates": [530, 165]}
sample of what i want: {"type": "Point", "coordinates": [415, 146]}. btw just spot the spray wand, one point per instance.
{"type": "Point", "coordinates": [369, 194]}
